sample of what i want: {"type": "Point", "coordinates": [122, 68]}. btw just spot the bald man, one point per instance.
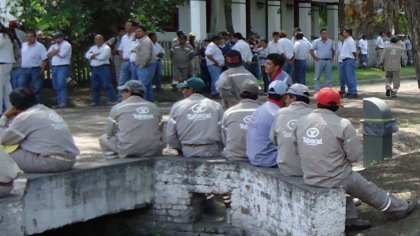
{"type": "Point", "coordinates": [98, 56]}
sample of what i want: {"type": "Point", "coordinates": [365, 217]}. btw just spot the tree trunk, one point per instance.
{"type": "Point", "coordinates": [228, 16]}
{"type": "Point", "coordinates": [341, 15]}
{"type": "Point", "coordinates": [412, 8]}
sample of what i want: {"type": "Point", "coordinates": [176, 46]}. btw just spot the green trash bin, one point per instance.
{"type": "Point", "coordinates": [378, 127]}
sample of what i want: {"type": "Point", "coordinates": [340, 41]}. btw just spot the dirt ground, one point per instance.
{"type": "Point", "coordinates": [400, 175]}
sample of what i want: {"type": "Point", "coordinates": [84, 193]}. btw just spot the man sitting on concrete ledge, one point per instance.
{"type": "Point", "coordinates": [328, 145]}
{"type": "Point", "coordinates": [134, 127]}
{"type": "Point", "coordinates": [8, 172]}
{"type": "Point", "coordinates": [44, 141]}
{"type": "Point", "coordinates": [194, 122]}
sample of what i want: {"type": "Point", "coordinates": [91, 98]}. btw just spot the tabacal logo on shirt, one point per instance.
{"type": "Point", "coordinates": [198, 113]}
{"type": "Point", "coordinates": [143, 114]}
{"type": "Point", "coordinates": [58, 122]}
{"type": "Point", "coordinates": [311, 139]}
{"type": "Point", "coordinates": [290, 125]}
{"type": "Point", "coordinates": [246, 120]}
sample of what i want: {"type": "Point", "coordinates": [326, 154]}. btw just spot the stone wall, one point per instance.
{"type": "Point", "coordinates": [169, 195]}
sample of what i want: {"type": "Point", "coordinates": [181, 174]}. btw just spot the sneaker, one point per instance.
{"type": "Point", "coordinates": [388, 92]}
{"type": "Point", "coordinates": [93, 104]}
{"type": "Point", "coordinates": [357, 224]}
{"type": "Point", "coordinates": [393, 94]}
{"type": "Point", "coordinates": [412, 205]}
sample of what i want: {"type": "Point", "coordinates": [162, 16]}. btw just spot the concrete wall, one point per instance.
{"type": "Point", "coordinates": [173, 188]}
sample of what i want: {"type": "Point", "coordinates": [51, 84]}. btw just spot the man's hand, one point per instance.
{"type": "Point", "coordinates": [11, 112]}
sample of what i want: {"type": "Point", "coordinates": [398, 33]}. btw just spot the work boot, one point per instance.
{"type": "Point", "coordinates": [357, 224]}
{"type": "Point", "coordinates": [412, 205]}
{"type": "Point", "coordinates": [393, 94]}
{"type": "Point", "coordinates": [387, 91]}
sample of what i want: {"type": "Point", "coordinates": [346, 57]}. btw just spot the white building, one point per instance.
{"type": "Point", "coordinates": [204, 17]}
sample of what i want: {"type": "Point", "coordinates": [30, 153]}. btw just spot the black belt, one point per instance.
{"type": "Point", "coordinates": [197, 145]}
{"type": "Point", "coordinates": [345, 59]}
{"type": "Point", "coordinates": [99, 66]}
{"type": "Point", "coordinates": [325, 59]}
{"type": "Point", "coordinates": [6, 184]}
{"type": "Point", "coordinates": [30, 68]}
{"type": "Point", "coordinates": [60, 65]}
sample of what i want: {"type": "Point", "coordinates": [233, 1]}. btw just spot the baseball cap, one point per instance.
{"type": "Point", "coordinates": [191, 34]}
{"type": "Point", "coordinates": [249, 86]}
{"type": "Point", "coordinates": [277, 87]}
{"type": "Point", "coordinates": [299, 90]}
{"type": "Point", "coordinates": [193, 82]}
{"type": "Point", "coordinates": [134, 86]}
{"type": "Point", "coordinates": [58, 34]}
{"type": "Point", "coordinates": [233, 58]}
{"type": "Point", "coordinates": [326, 96]}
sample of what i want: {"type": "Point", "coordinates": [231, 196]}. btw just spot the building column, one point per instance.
{"type": "Point", "coordinates": [305, 19]}
{"type": "Point", "coordinates": [198, 18]}
{"type": "Point", "coordinates": [332, 21]}
{"type": "Point", "coordinates": [273, 17]}
{"type": "Point", "coordinates": [239, 16]}
{"type": "Point", "coordinates": [315, 22]}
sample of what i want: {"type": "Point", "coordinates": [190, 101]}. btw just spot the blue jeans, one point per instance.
{"type": "Point", "coordinates": [342, 78]}
{"type": "Point", "coordinates": [15, 77]}
{"type": "Point", "coordinates": [59, 83]}
{"type": "Point", "coordinates": [288, 68]}
{"type": "Point", "coordinates": [30, 78]}
{"type": "Point", "coordinates": [101, 75]}
{"type": "Point", "coordinates": [145, 75]}
{"type": "Point", "coordinates": [349, 67]}
{"type": "Point", "coordinates": [364, 60]}
{"type": "Point", "coordinates": [157, 78]}
{"type": "Point", "coordinates": [323, 66]}
{"type": "Point", "coordinates": [134, 75]}
{"type": "Point", "coordinates": [300, 71]}
{"type": "Point", "coordinates": [125, 74]}
{"type": "Point", "coordinates": [215, 72]}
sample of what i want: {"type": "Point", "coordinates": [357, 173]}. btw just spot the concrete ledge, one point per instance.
{"type": "Point", "coordinates": [263, 201]}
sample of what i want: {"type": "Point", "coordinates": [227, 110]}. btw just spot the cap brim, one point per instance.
{"type": "Point", "coordinates": [182, 85]}
{"type": "Point", "coordinates": [122, 87]}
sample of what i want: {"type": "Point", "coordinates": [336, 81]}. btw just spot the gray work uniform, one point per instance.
{"type": "Point", "coordinates": [44, 138]}
{"type": "Point", "coordinates": [134, 129]}
{"type": "Point", "coordinates": [281, 134]}
{"type": "Point", "coordinates": [391, 58]}
{"type": "Point", "coordinates": [327, 145]}
{"type": "Point", "coordinates": [181, 57]}
{"type": "Point", "coordinates": [194, 126]}
{"type": "Point", "coordinates": [8, 172]}
{"type": "Point", "coordinates": [234, 128]}
{"type": "Point", "coordinates": [229, 85]}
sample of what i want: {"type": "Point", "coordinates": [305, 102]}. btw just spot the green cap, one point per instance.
{"type": "Point", "coordinates": [196, 83]}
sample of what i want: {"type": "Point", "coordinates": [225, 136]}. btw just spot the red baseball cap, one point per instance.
{"type": "Point", "coordinates": [326, 96]}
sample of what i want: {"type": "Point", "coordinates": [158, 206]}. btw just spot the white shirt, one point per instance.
{"type": "Point", "coordinates": [103, 53]}
{"type": "Point", "coordinates": [286, 47]}
{"type": "Point", "coordinates": [33, 55]}
{"type": "Point", "coordinates": [348, 48]}
{"type": "Point", "coordinates": [125, 45]}
{"type": "Point", "coordinates": [302, 49]}
{"type": "Point", "coordinates": [244, 49]}
{"type": "Point", "coordinates": [133, 45]}
{"type": "Point", "coordinates": [214, 50]}
{"type": "Point", "coordinates": [157, 49]}
{"type": "Point", "coordinates": [363, 45]}
{"type": "Point", "coordinates": [6, 49]}
{"type": "Point", "coordinates": [64, 56]}
{"type": "Point", "coordinates": [273, 47]}
{"type": "Point", "coordinates": [380, 42]}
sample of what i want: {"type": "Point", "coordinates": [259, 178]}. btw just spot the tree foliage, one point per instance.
{"type": "Point", "coordinates": [83, 18]}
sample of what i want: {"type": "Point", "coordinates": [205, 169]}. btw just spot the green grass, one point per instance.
{"type": "Point", "coordinates": [361, 74]}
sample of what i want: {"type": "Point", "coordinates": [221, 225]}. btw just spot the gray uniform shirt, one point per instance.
{"type": "Point", "coordinates": [40, 130]}
{"type": "Point", "coordinates": [136, 123]}
{"type": "Point", "coordinates": [194, 120]}
{"type": "Point", "coordinates": [392, 57]}
{"type": "Point", "coordinates": [144, 52]}
{"type": "Point", "coordinates": [327, 145]}
{"type": "Point", "coordinates": [234, 128]}
{"type": "Point", "coordinates": [181, 55]}
{"type": "Point", "coordinates": [229, 84]}
{"type": "Point", "coordinates": [281, 134]}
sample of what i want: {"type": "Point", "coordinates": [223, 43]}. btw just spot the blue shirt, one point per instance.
{"type": "Point", "coordinates": [259, 148]}
{"type": "Point", "coordinates": [323, 49]}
